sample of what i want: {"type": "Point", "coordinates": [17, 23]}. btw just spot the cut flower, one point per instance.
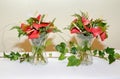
{"type": "Point", "coordinates": [83, 25]}
{"type": "Point", "coordinates": [35, 26]}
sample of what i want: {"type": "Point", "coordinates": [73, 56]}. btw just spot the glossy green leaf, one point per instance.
{"type": "Point", "coordinates": [111, 59]}
{"type": "Point", "coordinates": [62, 57]}
{"type": "Point", "coordinates": [101, 54]}
{"type": "Point", "coordinates": [73, 61]}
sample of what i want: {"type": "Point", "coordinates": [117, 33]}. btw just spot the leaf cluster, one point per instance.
{"type": "Point", "coordinates": [108, 54]}
{"type": "Point", "coordinates": [62, 48]}
{"type": "Point", "coordinates": [13, 56]}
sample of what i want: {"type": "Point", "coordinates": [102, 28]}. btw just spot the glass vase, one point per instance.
{"type": "Point", "coordinates": [84, 52]}
{"type": "Point", "coordinates": [38, 50]}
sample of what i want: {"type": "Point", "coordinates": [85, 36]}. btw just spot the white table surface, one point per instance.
{"type": "Point", "coordinates": [54, 69]}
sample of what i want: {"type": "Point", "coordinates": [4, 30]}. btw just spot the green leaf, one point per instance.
{"type": "Point", "coordinates": [56, 30]}
{"type": "Point", "coordinates": [62, 44]}
{"type": "Point", "coordinates": [95, 52]}
{"type": "Point", "coordinates": [61, 48]}
{"type": "Point", "coordinates": [62, 57]}
{"type": "Point", "coordinates": [5, 55]}
{"type": "Point", "coordinates": [110, 51]}
{"type": "Point", "coordinates": [85, 48]}
{"type": "Point", "coordinates": [101, 54]}
{"type": "Point", "coordinates": [42, 18]}
{"type": "Point", "coordinates": [77, 15]}
{"type": "Point", "coordinates": [20, 32]}
{"type": "Point", "coordinates": [79, 24]}
{"type": "Point", "coordinates": [117, 55]}
{"type": "Point", "coordinates": [15, 27]}
{"type": "Point", "coordinates": [73, 50]}
{"type": "Point", "coordinates": [12, 56]}
{"type": "Point", "coordinates": [73, 61]}
{"type": "Point", "coordinates": [111, 59]}
{"type": "Point", "coordinates": [25, 57]}
{"type": "Point", "coordinates": [58, 48]}
{"type": "Point", "coordinates": [30, 21]}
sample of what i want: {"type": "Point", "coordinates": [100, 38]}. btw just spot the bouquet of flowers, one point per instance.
{"type": "Point", "coordinates": [35, 26]}
{"type": "Point", "coordinates": [80, 52]}
{"type": "Point", "coordinates": [36, 29]}
{"type": "Point", "coordinates": [83, 25]}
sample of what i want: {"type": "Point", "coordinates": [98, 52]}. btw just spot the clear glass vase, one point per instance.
{"type": "Point", "coordinates": [38, 50]}
{"type": "Point", "coordinates": [84, 52]}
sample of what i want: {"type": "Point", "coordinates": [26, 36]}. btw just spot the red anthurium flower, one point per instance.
{"type": "Point", "coordinates": [44, 24]}
{"type": "Point", "coordinates": [34, 34]}
{"type": "Point", "coordinates": [28, 31]}
{"type": "Point", "coordinates": [87, 28]}
{"type": "Point", "coordinates": [96, 31]}
{"type": "Point", "coordinates": [24, 27]}
{"type": "Point", "coordinates": [75, 30]}
{"type": "Point", "coordinates": [38, 17]}
{"type": "Point", "coordinates": [36, 26]}
{"type": "Point", "coordinates": [103, 36]}
{"type": "Point", "coordinates": [85, 21]}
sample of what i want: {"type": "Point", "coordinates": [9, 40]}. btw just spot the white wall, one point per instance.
{"type": "Point", "coordinates": [14, 11]}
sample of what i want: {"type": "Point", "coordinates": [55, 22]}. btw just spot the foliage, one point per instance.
{"type": "Point", "coordinates": [17, 56]}
{"type": "Point", "coordinates": [108, 54]}
{"type": "Point", "coordinates": [74, 49]}
{"type": "Point", "coordinates": [62, 49]}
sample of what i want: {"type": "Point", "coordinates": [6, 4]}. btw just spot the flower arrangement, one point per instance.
{"type": "Point", "coordinates": [83, 25]}
{"type": "Point", "coordinates": [35, 26]}
{"type": "Point", "coordinates": [36, 29]}
{"type": "Point", "coordinates": [80, 52]}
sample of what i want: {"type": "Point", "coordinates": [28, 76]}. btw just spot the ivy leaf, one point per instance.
{"type": "Point", "coordinates": [5, 55]}
{"type": "Point", "coordinates": [58, 48]}
{"type": "Point", "coordinates": [111, 59]}
{"type": "Point", "coordinates": [73, 61]}
{"type": "Point", "coordinates": [62, 44]}
{"type": "Point", "coordinates": [110, 51]}
{"type": "Point", "coordinates": [95, 52]}
{"type": "Point", "coordinates": [117, 55]}
{"type": "Point", "coordinates": [73, 50]}
{"type": "Point", "coordinates": [25, 57]}
{"type": "Point", "coordinates": [62, 57]}
{"type": "Point", "coordinates": [101, 54]}
{"type": "Point", "coordinates": [12, 56]}
{"type": "Point", "coordinates": [62, 48]}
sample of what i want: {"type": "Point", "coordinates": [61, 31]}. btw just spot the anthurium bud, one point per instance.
{"type": "Point", "coordinates": [75, 30]}
{"type": "Point", "coordinates": [24, 27]}
{"type": "Point", "coordinates": [34, 34]}
{"type": "Point", "coordinates": [38, 17]}
{"type": "Point", "coordinates": [103, 36]}
{"type": "Point", "coordinates": [96, 31]}
{"type": "Point", "coordinates": [85, 21]}
{"type": "Point", "coordinates": [44, 24]}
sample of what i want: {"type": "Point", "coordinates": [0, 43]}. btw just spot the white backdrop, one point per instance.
{"type": "Point", "coordinates": [15, 11]}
